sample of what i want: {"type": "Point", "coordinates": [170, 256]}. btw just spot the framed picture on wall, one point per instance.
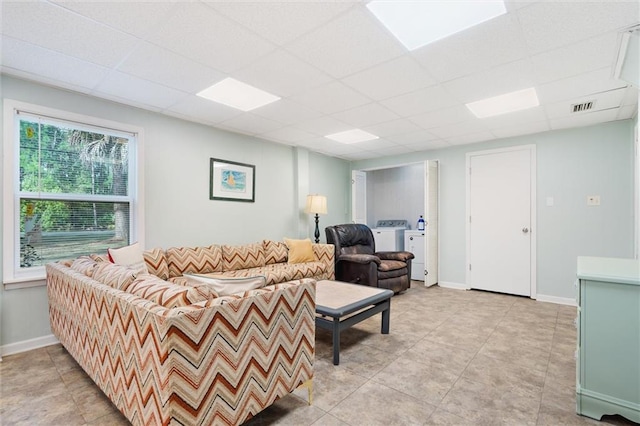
{"type": "Point", "coordinates": [231, 181]}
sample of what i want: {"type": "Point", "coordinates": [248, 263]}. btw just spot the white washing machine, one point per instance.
{"type": "Point", "coordinates": [389, 234]}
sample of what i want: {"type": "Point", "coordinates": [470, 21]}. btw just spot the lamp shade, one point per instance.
{"type": "Point", "coordinates": [316, 204]}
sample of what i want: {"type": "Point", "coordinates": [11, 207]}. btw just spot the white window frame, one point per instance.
{"type": "Point", "coordinates": [12, 275]}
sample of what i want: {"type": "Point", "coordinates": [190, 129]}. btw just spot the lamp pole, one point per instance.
{"type": "Point", "coordinates": [317, 233]}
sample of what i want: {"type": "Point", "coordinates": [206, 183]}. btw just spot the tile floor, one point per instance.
{"type": "Point", "coordinates": [452, 358]}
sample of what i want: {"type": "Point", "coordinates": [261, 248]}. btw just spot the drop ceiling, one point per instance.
{"type": "Point", "coordinates": [333, 64]}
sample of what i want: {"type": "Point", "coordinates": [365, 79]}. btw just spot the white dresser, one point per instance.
{"type": "Point", "coordinates": [608, 356]}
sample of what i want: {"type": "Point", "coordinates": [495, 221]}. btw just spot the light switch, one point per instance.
{"type": "Point", "coordinates": [593, 200]}
{"type": "Point", "coordinates": [550, 201]}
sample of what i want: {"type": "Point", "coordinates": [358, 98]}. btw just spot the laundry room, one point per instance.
{"type": "Point", "coordinates": [401, 208]}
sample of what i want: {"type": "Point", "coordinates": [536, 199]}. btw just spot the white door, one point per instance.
{"type": "Point", "coordinates": [500, 220]}
{"type": "Point", "coordinates": [359, 196]}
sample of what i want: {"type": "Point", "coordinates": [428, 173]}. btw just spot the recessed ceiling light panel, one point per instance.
{"type": "Point", "coordinates": [237, 94]}
{"type": "Point", "coordinates": [417, 23]}
{"type": "Point", "coordinates": [503, 104]}
{"type": "Point", "coordinates": [352, 136]}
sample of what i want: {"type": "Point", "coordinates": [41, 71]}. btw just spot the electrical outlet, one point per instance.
{"type": "Point", "coordinates": [593, 200]}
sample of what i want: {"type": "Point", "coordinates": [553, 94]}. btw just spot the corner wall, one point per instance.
{"type": "Point", "coordinates": [571, 164]}
{"type": "Point", "coordinates": [176, 181]}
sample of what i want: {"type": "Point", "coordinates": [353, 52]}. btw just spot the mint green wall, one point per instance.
{"type": "Point", "coordinates": [571, 164]}
{"type": "Point", "coordinates": [176, 186]}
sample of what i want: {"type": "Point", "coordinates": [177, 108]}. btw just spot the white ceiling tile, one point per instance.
{"type": "Point", "coordinates": [359, 155]}
{"type": "Point", "coordinates": [392, 150]}
{"type": "Point", "coordinates": [441, 117]}
{"type": "Point", "coordinates": [420, 101]}
{"type": "Point", "coordinates": [630, 96]}
{"type": "Point", "coordinates": [576, 59]}
{"type": "Point", "coordinates": [251, 124]}
{"type": "Point", "coordinates": [393, 78]}
{"type": "Point", "coordinates": [282, 74]}
{"type": "Point", "coordinates": [521, 129]}
{"type": "Point", "coordinates": [168, 68]}
{"type": "Point", "coordinates": [548, 25]}
{"type": "Point", "coordinates": [428, 145]}
{"type": "Point", "coordinates": [58, 29]}
{"type": "Point", "coordinates": [626, 112]}
{"type": "Point", "coordinates": [280, 22]}
{"type": "Point", "coordinates": [521, 117]}
{"type": "Point", "coordinates": [288, 134]}
{"type": "Point", "coordinates": [138, 90]}
{"type": "Point", "coordinates": [470, 138]}
{"type": "Point", "coordinates": [331, 98]}
{"type": "Point", "coordinates": [497, 41]}
{"type": "Point", "coordinates": [494, 82]}
{"type": "Point", "coordinates": [45, 80]}
{"type": "Point", "coordinates": [458, 129]}
{"type": "Point", "coordinates": [391, 128]}
{"type": "Point", "coordinates": [286, 112]}
{"type": "Point", "coordinates": [203, 110]}
{"type": "Point", "coordinates": [323, 126]}
{"type": "Point", "coordinates": [350, 43]}
{"type": "Point", "coordinates": [134, 17]}
{"type": "Point", "coordinates": [365, 115]}
{"type": "Point", "coordinates": [579, 85]}
{"type": "Point", "coordinates": [375, 144]}
{"type": "Point", "coordinates": [51, 65]}
{"type": "Point", "coordinates": [604, 100]}
{"type": "Point", "coordinates": [587, 119]}
{"type": "Point", "coordinates": [421, 136]}
{"type": "Point", "coordinates": [199, 33]}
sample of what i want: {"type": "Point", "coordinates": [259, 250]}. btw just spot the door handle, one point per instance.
{"type": "Point", "coordinates": [525, 230]}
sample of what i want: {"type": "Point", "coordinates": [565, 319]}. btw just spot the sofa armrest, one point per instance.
{"type": "Point", "coordinates": [395, 255]}
{"type": "Point", "coordinates": [359, 258]}
{"type": "Point", "coordinates": [326, 253]}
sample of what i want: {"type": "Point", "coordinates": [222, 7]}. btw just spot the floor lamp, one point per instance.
{"type": "Point", "coordinates": [316, 204]}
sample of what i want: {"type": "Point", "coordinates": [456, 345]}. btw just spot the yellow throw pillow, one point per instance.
{"type": "Point", "coordinates": [300, 251]}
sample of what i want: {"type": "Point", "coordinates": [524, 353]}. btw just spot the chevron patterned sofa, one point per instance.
{"type": "Point", "coordinates": [167, 350]}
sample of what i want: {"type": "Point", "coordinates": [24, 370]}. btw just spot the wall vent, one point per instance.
{"type": "Point", "coordinates": [585, 106]}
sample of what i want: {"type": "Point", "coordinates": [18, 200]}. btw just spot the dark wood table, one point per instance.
{"type": "Point", "coordinates": [340, 305]}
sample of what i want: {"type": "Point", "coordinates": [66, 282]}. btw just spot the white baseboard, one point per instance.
{"type": "Point", "coordinates": [456, 286]}
{"type": "Point", "coordinates": [555, 299]}
{"type": "Point", "coordinates": [27, 345]}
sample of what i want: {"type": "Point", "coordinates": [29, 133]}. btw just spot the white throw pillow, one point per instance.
{"type": "Point", "coordinates": [130, 256]}
{"type": "Point", "coordinates": [230, 285]}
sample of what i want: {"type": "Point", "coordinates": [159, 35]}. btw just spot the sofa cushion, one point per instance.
{"type": "Point", "coordinates": [300, 251]}
{"type": "Point", "coordinates": [274, 251]}
{"type": "Point", "coordinates": [243, 256]}
{"type": "Point", "coordinates": [194, 260]}
{"type": "Point", "coordinates": [157, 263]}
{"type": "Point", "coordinates": [116, 276]}
{"type": "Point", "coordinates": [168, 294]}
{"type": "Point", "coordinates": [85, 265]}
{"type": "Point", "coordinates": [225, 286]}
{"type": "Point", "coordinates": [282, 272]}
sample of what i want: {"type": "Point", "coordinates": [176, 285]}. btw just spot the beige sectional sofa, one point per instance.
{"type": "Point", "coordinates": [168, 350]}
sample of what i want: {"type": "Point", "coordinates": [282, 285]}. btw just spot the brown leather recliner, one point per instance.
{"type": "Point", "coordinates": [358, 262]}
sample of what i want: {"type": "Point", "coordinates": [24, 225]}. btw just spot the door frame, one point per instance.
{"type": "Point", "coordinates": [534, 225]}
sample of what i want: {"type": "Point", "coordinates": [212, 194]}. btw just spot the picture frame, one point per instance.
{"type": "Point", "coordinates": [231, 181]}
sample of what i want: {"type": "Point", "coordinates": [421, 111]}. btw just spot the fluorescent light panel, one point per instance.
{"type": "Point", "coordinates": [352, 136]}
{"type": "Point", "coordinates": [503, 104]}
{"type": "Point", "coordinates": [237, 94]}
{"type": "Point", "coordinates": [417, 23]}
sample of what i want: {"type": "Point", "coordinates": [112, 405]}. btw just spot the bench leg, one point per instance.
{"type": "Point", "coordinates": [385, 319]}
{"type": "Point", "coordinates": [336, 341]}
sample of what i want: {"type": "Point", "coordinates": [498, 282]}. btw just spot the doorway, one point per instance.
{"type": "Point", "coordinates": [501, 220]}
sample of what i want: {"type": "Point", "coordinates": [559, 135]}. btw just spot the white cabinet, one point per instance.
{"type": "Point", "coordinates": [608, 361]}
{"type": "Point", "coordinates": [414, 242]}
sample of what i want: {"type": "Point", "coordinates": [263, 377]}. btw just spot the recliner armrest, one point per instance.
{"type": "Point", "coordinates": [395, 255]}
{"type": "Point", "coordinates": [359, 258]}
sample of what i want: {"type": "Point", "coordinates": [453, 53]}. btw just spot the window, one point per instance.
{"type": "Point", "coordinates": [70, 188]}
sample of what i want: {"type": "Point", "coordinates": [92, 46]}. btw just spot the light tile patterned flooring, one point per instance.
{"type": "Point", "coordinates": [452, 358]}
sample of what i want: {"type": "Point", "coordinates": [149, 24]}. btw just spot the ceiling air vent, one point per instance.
{"type": "Point", "coordinates": [585, 106]}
